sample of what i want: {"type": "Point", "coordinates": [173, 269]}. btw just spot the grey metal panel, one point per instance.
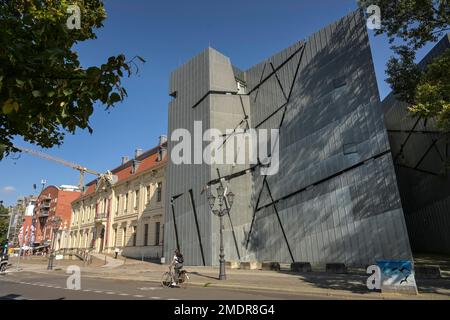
{"type": "Point", "coordinates": [424, 196]}
{"type": "Point", "coordinates": [332, 123]}
{"type": "Point", "coordinates": [191, 82]}
{"type": "Point", "coordinates": [221, 73]}
{"type": "Point", "coordinates": [320, 120]}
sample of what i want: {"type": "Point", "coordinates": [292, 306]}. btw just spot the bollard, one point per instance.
{"type": "Point", "coordinates": [336, 268]}
{"type": "Point", "coordinates": [270, 266]}
{"type": "Point", "coordinates": [427, 272]}
{"type": "Point", "coordinates": [251, 265]}
{"type": "Point", "coordinates": [301, 267]}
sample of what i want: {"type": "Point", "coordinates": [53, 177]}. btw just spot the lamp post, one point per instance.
{"type": "Point", "coordinates": [225, 200]}
{"type": "Point", "coordinates": [63, 242]}
{"type": "Point", "coordinates": [55, 223]}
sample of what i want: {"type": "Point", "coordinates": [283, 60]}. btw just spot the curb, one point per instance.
{"type": "Point", "coordinates": [326, 293]}
{"type": "Point", "coordinates": [254, 288]}
{"type": "Point", "coordinates": [231, 286]}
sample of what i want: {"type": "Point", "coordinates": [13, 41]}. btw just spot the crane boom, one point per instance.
{"type": "Point", "coordinates": [58, 160]}
{"type": "Point", "coordinates": [107, 177]}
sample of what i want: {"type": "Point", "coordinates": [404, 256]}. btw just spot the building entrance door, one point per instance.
{"type": "Point", "coordinates": [102, 236]}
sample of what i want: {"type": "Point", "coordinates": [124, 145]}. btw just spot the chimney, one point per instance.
{"type": "Point", "coordinates": [124, 159]}
{"type": "Point", "coordinates": [138, 152]}
{"type": "Point", "coordinates": [162, 139]}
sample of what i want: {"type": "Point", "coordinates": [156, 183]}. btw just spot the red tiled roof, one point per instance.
{"type": "Point", "coordinates": [147, 161]}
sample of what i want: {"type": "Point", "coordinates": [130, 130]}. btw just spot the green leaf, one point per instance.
{"type": "Point", "coordinates": [9, 106]}
{"type": "Point", "coordinates": [142, 59]}
{"type": "Point", "coordinates": [36, 93]}
{"type": "Point", "coordinates": [93, 72]}
{"type": "Point", "coordinates": [20, 83]}
{"type": "Point", "coordinates": [67, 91]}
{"type": "Point", "coordinates": [114, 97]}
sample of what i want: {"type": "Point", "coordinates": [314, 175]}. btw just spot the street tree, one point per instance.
{"type": "Point", "coordinates": [45, 92]}
{"type": "Point", "coordinates": [4, 220]}
{"type": "Point", "coordinates": [409, 26]}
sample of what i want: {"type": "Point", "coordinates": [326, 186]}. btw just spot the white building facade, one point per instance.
{"type": "Point", "coordinates": [127, 215]}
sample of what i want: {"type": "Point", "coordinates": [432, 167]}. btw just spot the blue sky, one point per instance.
{"type": "Point", "coordinates": [167, 34]}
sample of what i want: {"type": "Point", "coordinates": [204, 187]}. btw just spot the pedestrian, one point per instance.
{"type": "Point", "coordinates": [116, 252]}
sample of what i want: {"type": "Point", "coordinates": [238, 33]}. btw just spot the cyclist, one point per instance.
{"type": "Point", "coordinates": [177, 264]}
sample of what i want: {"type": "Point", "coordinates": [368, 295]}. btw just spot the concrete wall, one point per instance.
{"type": "Point", "coordinates": [421, 171]}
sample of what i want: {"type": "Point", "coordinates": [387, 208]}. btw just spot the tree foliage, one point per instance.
{"type": "Point", "coordinates": [416, 23]}
{"type": "Point", "coordinates": [432, 98]}
{"type": "Point", "coordinates": [44, 91]}
{"type": "Point", "coordinates": [404, 74]}
{"type": "Point", "coordinates": [3, 224]}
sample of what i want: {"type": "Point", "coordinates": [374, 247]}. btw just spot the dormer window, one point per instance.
{"type": "Point", "coordinates": [135, 166]}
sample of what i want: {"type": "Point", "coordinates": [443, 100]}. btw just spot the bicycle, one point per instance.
{"type": "Point", "coordinates": [167, 279]}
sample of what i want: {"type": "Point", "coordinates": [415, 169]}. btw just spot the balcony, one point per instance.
{"type": "Point", "coordinates": [45, 204]}
{"type": "Point", "coordinates": [100, 217]}
{"type": "Point", "coordinates": [43, 214]}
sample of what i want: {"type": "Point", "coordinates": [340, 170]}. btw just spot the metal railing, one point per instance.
{"type": "Point", "coordinates": [100, 216]}
{"type": "Point", "coordinates": [83, 254]}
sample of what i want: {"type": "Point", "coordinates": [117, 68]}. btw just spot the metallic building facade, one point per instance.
{"type": "Point", "coordinates": [335, 197]}
{"type": "Point", "coordinates": [421, 153]}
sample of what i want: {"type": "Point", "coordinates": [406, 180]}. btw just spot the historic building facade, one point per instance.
{"type": "Point", "coordinates": [27, 231]}
{"type": "Point", "coordinates": [52, 213]}
{"type": "Point", "coordinates": [127, 215]}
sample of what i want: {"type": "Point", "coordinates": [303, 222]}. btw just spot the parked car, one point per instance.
{"type": "Point", "coordinates": [3, 262]}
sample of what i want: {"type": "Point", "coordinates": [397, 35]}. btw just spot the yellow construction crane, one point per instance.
{"type": "Point", "coordinates": [107, 177]}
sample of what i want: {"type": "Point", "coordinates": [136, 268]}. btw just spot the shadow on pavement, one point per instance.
{"type": "Point", "coordinates": [434, 286]}
{"type": "Point", "coordinates": [346, 282]}
{"type": "Point", "coordinates": [204, 276]}
{"type": "Point", "coordinates": [13, 296]}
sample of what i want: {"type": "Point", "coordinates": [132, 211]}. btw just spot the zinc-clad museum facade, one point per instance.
{"type": "Point", "coordinates": [335, 197]}
{"type": "Point", "coordinates": [421, 156]}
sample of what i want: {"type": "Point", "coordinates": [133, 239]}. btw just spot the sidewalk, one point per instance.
{"type": "Point", "coordinates": [350, 286]}
{"type": "Point", "coordinates": [110, 262]}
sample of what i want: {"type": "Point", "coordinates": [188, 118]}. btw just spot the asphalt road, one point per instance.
{"type": "Point", "coordinates": [34, 286]}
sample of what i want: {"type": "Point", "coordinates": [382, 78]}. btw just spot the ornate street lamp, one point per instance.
{"type": "Point", "coordinates": [55, 223]}
{"type": "Point", "coordinates": [225, 199]}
